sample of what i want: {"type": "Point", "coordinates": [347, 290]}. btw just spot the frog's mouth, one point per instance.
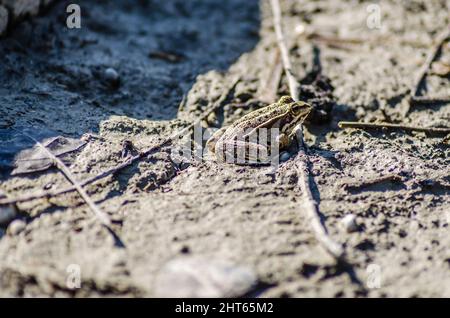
{"type": "Point", "coordinates": [288, 123]}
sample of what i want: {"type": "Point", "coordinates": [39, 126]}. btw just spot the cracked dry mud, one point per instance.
{"type": "Point", "coordinates": [397, 184]}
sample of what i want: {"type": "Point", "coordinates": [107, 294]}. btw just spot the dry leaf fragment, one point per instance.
{"type": "Point", "coordinates": [35, 159]}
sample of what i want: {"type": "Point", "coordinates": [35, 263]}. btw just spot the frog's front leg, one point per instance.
{"type": "Point", "coordinates": [212, 141]}
{"type": "Point", "coordinates": [242, 152]}
{"type": "Point", "coordinates": [283, 141]}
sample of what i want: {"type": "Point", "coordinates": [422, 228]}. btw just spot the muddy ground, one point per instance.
{"type": "Point", "coordinates": [202, 214]}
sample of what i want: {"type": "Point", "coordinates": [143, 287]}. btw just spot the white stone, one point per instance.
{"type": "Point", "coordinates": [199, 277]}
{"type": "Point", "coordinates": [285, 156]}
{"type": "Point", "coordinates": [7, 214]}
{"type": "Point", "coordinates": [349, 223]}
{"type": "Point", "coordinates": [112, 76]}
{"type": "Point", "coordinates": [16, 227]}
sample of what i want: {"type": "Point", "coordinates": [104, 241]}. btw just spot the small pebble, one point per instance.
{"type": "Point", "coordinates": [7, 214]}
{"type": "Point", "coordinates": [349, 223]}
{"type": "Point", "coordinates": [212, 120]}
{"type": "Point", "coordinates": [16, 227]}
{"type": "Point", "coordinates": [300, 29]}
{"type": "Point", "coordinates": [239, 112]}
{"type": "Point", "coordinates": [285, 156]}
{"type": "Point", "coordinates": [112, 76]}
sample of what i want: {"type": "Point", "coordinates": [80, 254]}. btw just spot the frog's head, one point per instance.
{"type": "Point", "coordinates": [295, 113]}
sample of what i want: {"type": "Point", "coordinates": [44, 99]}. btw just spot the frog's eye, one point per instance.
{"type": "Point", "coordinates": [298, 108]}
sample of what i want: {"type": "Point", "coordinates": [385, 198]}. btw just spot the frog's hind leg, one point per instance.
{"type": "Point", "coordinates": [212, 141]}
{"type": "Point", "coordinates": [242, 153]}
{"type": "Point", "coordinates": [284, 141]}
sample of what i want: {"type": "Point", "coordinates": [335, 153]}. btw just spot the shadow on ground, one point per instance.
{"type": "Point", "coordinates": [53, 80]}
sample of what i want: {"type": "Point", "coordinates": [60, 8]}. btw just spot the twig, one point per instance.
{"type": "Point", "coordinates": [432, 55]}
{"type": "Point", "coordinates": [310, 205]}
{"type": "Point", "coordinates": [431, 131]}
{"type": "Point", "coordinates": [422, 100]}
{"type": "Point", "coordinates": [371, 182]}
{"type": "Point", "coordinates": [129, 161]}
{"type": "Point", "coordinates": [294, 86]}
{"type": "Point", "coordinates": [166, 56]}
{"type": "Point", "coordinates": [446, 139]}
{"type": "Point", "coordinates": [435, 51]}
{"type": "Point", "coordinates": [332, 39]}
{"type": "Point", "coordinates": [336, 40]}
{"type": "Point", "coordinates": [269, 88]}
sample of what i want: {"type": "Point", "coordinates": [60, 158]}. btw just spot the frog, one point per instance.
{"type": "Point", "coordinates": [242, 138]}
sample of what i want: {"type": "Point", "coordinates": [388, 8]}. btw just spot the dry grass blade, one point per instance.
{"type": "Point", "coordinates": [269, 88]}
{"type": "Point", "coordinates": [430, 131]}
{"type": "Point", "coordinates": [446, 139]}
{"type": "Point", "coordinates": [320, 231]}
{"type": "Point", "coordinates": [332, 39]}
{"type": "Point", "coordinates": [421, 100]}
{"type": "Point", "coordinates": [294, 86]}
{"type": "Point", "coordinates": [129, 161]}
{"type": "Point", "coordinates": [433, 54]}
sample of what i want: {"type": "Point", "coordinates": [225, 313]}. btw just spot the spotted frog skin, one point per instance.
{"type": "Point", "coordinates": [240, 139]}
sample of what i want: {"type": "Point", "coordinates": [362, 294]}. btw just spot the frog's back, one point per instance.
{"type": "Point", "coordinates": [260, 115]}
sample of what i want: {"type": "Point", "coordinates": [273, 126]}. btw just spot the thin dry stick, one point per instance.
{"type": "Point", "coordinates": [447, 139]}
{"type": "Point", "coordinates": [330, 39]}
{"type": "Point", "coordinates": [373, 181]}
{"type": "Point", "coordinates": [320, 231]}
{"type": "Point", "coordinates": [432, 55]}
{"type": "Point", "coordinates": [423, 100]}
{"type": "Point", "coordinates": [129, 161]}
{"type": "Point", "coordinates": [268, 90]}
{"type": "Point", "coordinates": [431, 131]}
{"type": "Point", "coordinates": [293, 83]}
